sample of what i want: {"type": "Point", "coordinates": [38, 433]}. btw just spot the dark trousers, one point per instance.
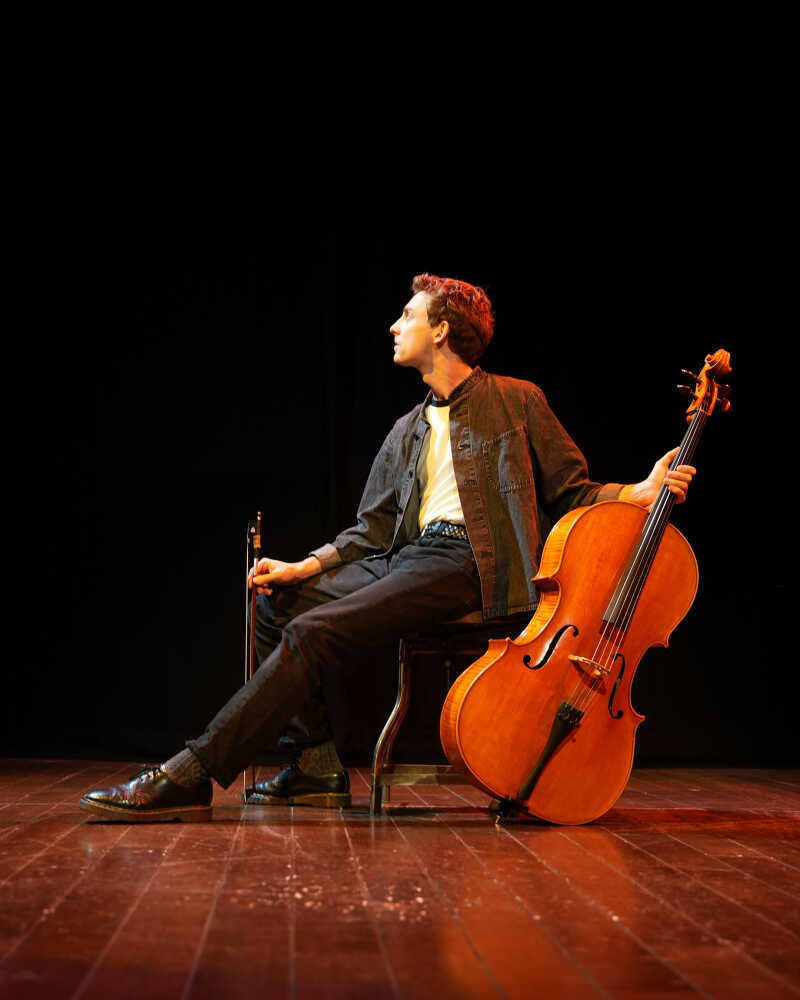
{"type": "Point", "coordinates": [316, 627]}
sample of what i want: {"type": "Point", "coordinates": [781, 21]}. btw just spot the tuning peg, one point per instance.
{"type": "Point", "coordinates": [724, 390]}
{"type": "Point", "coordinates": [695, 378]}
{"type": "Point", "coordinates": [685, 390]}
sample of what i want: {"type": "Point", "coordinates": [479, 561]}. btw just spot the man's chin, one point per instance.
{"type": "Point", "coordinates": [402, 362]}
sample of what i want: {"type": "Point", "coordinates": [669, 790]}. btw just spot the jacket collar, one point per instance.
{"type": "Point", "coordinates": [462, 389]}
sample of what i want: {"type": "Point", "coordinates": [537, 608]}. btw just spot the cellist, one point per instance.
{"type": "Point", "coordinates": [448, 524]}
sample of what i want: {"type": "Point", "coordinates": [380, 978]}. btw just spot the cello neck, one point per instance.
{"type": "Point", "coordinates": [626, 595]}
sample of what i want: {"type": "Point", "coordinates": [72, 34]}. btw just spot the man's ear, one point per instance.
{"type": "Point", "coordinates": [442, 331]}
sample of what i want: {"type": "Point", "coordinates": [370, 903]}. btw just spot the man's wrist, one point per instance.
{"type": "Point", "coordinates": [633, 493]}
{"type": "Point", "coordinates": [312, 565]}
{"type": "Point", "coordinates": [327, 555]}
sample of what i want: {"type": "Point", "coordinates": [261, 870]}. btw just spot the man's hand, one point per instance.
{"type": "Point", "coordinates": [677, 480]}
{"type": "Point", "coordinates": [271, 573]}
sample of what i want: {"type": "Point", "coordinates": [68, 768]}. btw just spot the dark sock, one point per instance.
{"type": "Point", "coordinates": [319, 760]}
{"type": "Point", "coordinates": [185, 769]}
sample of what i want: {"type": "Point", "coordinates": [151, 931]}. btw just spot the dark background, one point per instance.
{"type": "Point", "coordinates": [172, 378]}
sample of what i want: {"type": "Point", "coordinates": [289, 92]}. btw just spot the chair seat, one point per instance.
{"type": "Point", "coordinates": [475, 620]}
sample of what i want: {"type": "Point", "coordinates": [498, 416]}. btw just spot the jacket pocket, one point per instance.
{"type": "Point", "coordinates": [507, 460]}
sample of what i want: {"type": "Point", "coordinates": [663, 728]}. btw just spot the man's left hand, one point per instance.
{"type": "Point", "coordinates": [677, 480]}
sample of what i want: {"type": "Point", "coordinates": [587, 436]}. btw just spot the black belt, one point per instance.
{"type": "Point", "coordinates": [447, 529]}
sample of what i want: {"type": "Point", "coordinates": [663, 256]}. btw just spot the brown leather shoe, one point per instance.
{"type": "Point", "coordinates": [150, 797]}
{"type": "Point", "coordinates": [293, 787]}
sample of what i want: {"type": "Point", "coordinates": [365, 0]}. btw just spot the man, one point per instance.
{"type": "Point", "coordinates": [448, 524]}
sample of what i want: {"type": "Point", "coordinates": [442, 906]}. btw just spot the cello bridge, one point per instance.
{"type": "Point", "coordinates": [591, 667]}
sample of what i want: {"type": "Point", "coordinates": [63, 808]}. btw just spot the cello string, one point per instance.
{"type": "Point", "coordinates": [609, 645]}
{"type": "Point", "coordinates": [610, 642]}
{"type": "Point", "coordinates": [586, 696]}
{"type": "Point", "coordinates": [656, 524]}
{"type": "Point", "coordinates": [613, 633]}
{"type": "Point", "coordinates": [652, 539]}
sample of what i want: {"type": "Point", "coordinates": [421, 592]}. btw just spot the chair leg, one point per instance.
{"type": "Point", "coordinates": [383, 748]}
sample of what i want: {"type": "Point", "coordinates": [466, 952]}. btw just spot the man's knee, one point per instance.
{"type": "Point", "coordinates": [313, 637]}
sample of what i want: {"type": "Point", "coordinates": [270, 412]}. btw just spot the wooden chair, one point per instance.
{"type": "Point", "coordinates": [467, 637]}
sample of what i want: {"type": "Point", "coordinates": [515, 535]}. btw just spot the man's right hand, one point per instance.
{"type": "Point", "coordinates": [271, 573]}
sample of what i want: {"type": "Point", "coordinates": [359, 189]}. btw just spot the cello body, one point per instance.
{"type": "Point", "coordinates": [499, 721]}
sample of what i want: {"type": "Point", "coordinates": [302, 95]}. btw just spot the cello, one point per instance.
{"type": "Point", "coordinates": [544, 722]}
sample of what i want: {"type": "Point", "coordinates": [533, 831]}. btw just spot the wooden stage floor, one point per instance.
{"type": "Point", "coordinates": [689, 887]}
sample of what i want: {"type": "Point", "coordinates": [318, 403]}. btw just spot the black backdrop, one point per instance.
{"type": "Point", "coordinates": [169, 382]}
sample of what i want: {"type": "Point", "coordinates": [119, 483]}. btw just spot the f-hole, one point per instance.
{"type": "Point", "coordinates": [619, 713]}
{"type": "Point", "coordinates": [550, 649]}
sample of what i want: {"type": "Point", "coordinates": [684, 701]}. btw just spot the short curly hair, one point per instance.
{"type": "Point", "coordinates": [467, 310]}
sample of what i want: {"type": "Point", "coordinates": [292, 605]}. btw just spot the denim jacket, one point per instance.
{"type": "Point", "coordinates": [515, 468]}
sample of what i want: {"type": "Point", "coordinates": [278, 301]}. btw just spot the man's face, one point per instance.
{"type": "Point", "coordinates": [413, 335]}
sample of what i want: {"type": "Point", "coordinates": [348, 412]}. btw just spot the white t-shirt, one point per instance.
{"type": "Point", "coordinates": [440, 500]}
